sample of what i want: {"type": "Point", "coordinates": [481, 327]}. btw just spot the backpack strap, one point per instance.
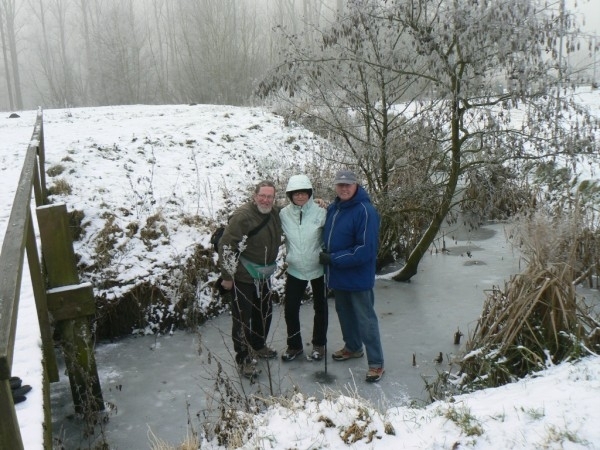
{"type": "Point", "coordinates": [259, 227]}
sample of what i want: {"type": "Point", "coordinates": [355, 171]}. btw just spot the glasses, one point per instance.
{"type": "Point", "coordinates": [265, 197]}
{"type": "Point", "coordinates": [300, 193]}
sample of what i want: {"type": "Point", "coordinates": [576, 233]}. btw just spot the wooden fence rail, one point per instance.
{"type": "Point", "coordinates": [68, 314]}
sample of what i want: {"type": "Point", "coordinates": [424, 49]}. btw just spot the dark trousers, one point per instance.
{"type": "Point", "coordinates": [252, 310]}
{"type": "Point", "coordinates": [294, 291]}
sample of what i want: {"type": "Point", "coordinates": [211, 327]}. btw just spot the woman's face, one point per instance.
{"type": "Point", "coordinates": [300, 198]}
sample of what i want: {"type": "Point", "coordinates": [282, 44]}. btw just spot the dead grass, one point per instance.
{"type": "Point", "coordinates": [60, 187]}
{"type": "Point", "coordinates": [55, 170]}
{"type": "Point", "coordinates": [538, 319]}
{"type": "Point", "coordinates": [191, 442]}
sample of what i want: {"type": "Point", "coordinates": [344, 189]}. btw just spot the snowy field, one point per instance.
{"type": "Point", "coordinates": [191, 161]}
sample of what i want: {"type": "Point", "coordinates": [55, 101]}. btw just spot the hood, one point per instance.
{"type": "Point", "coordinates": [298, 183]}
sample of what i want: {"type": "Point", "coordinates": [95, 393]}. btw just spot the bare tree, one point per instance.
{"type": "Point", "coordinates": [6, 63]}
{"type": "Point", "coordinates": [222, 50]}
{"type": "Point", "coordinates": [155, 51]}
{"type": "Point", "coordinates": [54, 47]}
{"type": "Point", "coordinates": [94, 85]}
{"type": "Point", "coordinates": [410, 91]}
{"type": "Point", "coordinates": [88, 60]}
{"type": "Point", "coordinates": [160, 37]}
{"type": "Point", "coordinates": [120, 46]}
{"type": "Point", "coordinates": [10, 14]}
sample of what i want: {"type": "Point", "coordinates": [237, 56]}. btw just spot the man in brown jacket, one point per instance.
{"type": "Point", "coordinates": [247, 256]}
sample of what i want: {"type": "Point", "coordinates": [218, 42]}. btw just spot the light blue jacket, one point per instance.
{"type": "Point", "coordinates": [303, 231]}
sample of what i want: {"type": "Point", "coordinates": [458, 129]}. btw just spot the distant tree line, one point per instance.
{"type": "Point", "coordinates": [445, 107]}
{"type": "Point", "coordinates": [68, 53]}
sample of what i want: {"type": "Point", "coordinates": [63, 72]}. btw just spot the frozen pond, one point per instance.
{"type": "Point", "coordinates": [157, 384]}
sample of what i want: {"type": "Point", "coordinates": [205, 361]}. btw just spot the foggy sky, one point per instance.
{"type": "Point", "coordinates": [588, 12]}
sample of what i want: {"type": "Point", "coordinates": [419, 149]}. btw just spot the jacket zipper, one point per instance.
{"type": "Point", "coordinates": [331, 231]}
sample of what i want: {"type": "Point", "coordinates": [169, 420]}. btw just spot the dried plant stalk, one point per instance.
{"type": "Point", "coordinates": [537, 320]}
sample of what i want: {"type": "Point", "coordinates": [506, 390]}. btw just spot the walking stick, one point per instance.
{"type": "Point", "coordinates": [324, 377]}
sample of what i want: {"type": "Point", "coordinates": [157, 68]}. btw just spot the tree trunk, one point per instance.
{"type": "Point", "coordinates": [9, 8]}
{"type": "Point", "coordinates": [412, 263]}
{"type": "Point", "coordinates": [66, 99]}
{"type": "Point", "coordinates": [6, 66]}
{"type": "Point", "coordinates": [89, 72]}
{"type": "Point", "coordinates": [46, 56]}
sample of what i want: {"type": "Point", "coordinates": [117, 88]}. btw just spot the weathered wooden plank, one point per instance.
{"type": "Point", "coordinates": [47, 425]}
{"type": "Point", "coordinates": [57, 245]}
{"type": "Point", "coordinates": [39, 293]}
{"type": "Point", "coordinates": [81, 365]}
{"type": "Point", "coordinates": [76, 336]}
{"type": "Point", "coordinates": [10, 434]}
{"type": "Point", "coordinates": [71, 302]}
{"type": "Point", "coordinates": [38, 133]}
{"type": "Point", "coordinates": [18, 236]}
{"type": "Point", "coordinates": [11, 263]}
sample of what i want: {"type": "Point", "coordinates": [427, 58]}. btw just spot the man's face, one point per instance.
{"type": "Point", "coordinates": [345, 191]}
{"type": "Point", "coordinates": [264, 199]}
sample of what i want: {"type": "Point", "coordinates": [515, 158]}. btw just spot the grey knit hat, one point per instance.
{"type": "Point", "coordinates": [345, 177]}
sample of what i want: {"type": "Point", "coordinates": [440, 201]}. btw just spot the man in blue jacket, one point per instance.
{"type": "Point", "coordinates": [351, 236]}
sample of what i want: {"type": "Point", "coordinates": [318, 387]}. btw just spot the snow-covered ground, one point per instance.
{"type": "Point", "coordinates": [174, 162]}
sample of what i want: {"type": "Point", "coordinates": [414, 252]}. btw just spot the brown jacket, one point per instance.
{"type": "Point", "coordinates": [262, 248]}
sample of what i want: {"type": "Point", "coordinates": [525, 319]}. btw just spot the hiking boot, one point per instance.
{"type": "Point", "coordinates": [266, 353]}
{"type": "Point", "coordinates": [291, 353]}
{"type": "Point", "coordinates": [248, 368]}
{"type": "Point", "coordinates": [374, 374]}
{"type": "Point", "coordinates": [318, 352]}
{"type": "Point", "coordinates": [344, 354]}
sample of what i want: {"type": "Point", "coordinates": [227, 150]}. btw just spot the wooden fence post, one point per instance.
{"type": "Point", "coordinates": [19, 237]}
{"type": "Point", "coordinates": [71, 305]}
{"type": "Point", "coordinates": [41, 304]}
{"type": "Point", "coordinates": [10, 434]}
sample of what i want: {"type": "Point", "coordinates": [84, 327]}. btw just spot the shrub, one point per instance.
{"type": "Point", "coordinates": [60, 187]}
{"type": "Point", "coordinates": [538, 319]}
{"type": "Point", "coordinates": [55, 170]}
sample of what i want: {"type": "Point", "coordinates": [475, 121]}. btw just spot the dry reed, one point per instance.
{"type": "Point", "coordinates": [538, 319]}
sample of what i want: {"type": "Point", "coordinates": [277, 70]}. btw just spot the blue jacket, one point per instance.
{"type": "Point", "coordinates": [351, 237]}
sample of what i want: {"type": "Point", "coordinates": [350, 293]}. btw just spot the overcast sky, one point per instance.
{"type": "Point", "coordinates": [589, 12]}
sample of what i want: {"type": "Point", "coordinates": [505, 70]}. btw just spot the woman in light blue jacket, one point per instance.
{"type": "Point", "coordinates": [302, 221]}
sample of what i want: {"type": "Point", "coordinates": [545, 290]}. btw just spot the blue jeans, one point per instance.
{"type": "Point", "coordinates": [359, 323]}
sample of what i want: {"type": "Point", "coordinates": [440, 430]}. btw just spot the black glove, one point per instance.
{"type": "Point", "coordinates": [324, 258]}
{"type": "Point", "coordinates": [219, 287]}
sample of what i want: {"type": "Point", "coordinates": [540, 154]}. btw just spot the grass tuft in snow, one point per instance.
{"type": "Point", "coordinates": [55, 170]}
{"type": "Point", "coordinates": [463, 418]}
{"type": "Point", "coordinates": [60, 187]}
